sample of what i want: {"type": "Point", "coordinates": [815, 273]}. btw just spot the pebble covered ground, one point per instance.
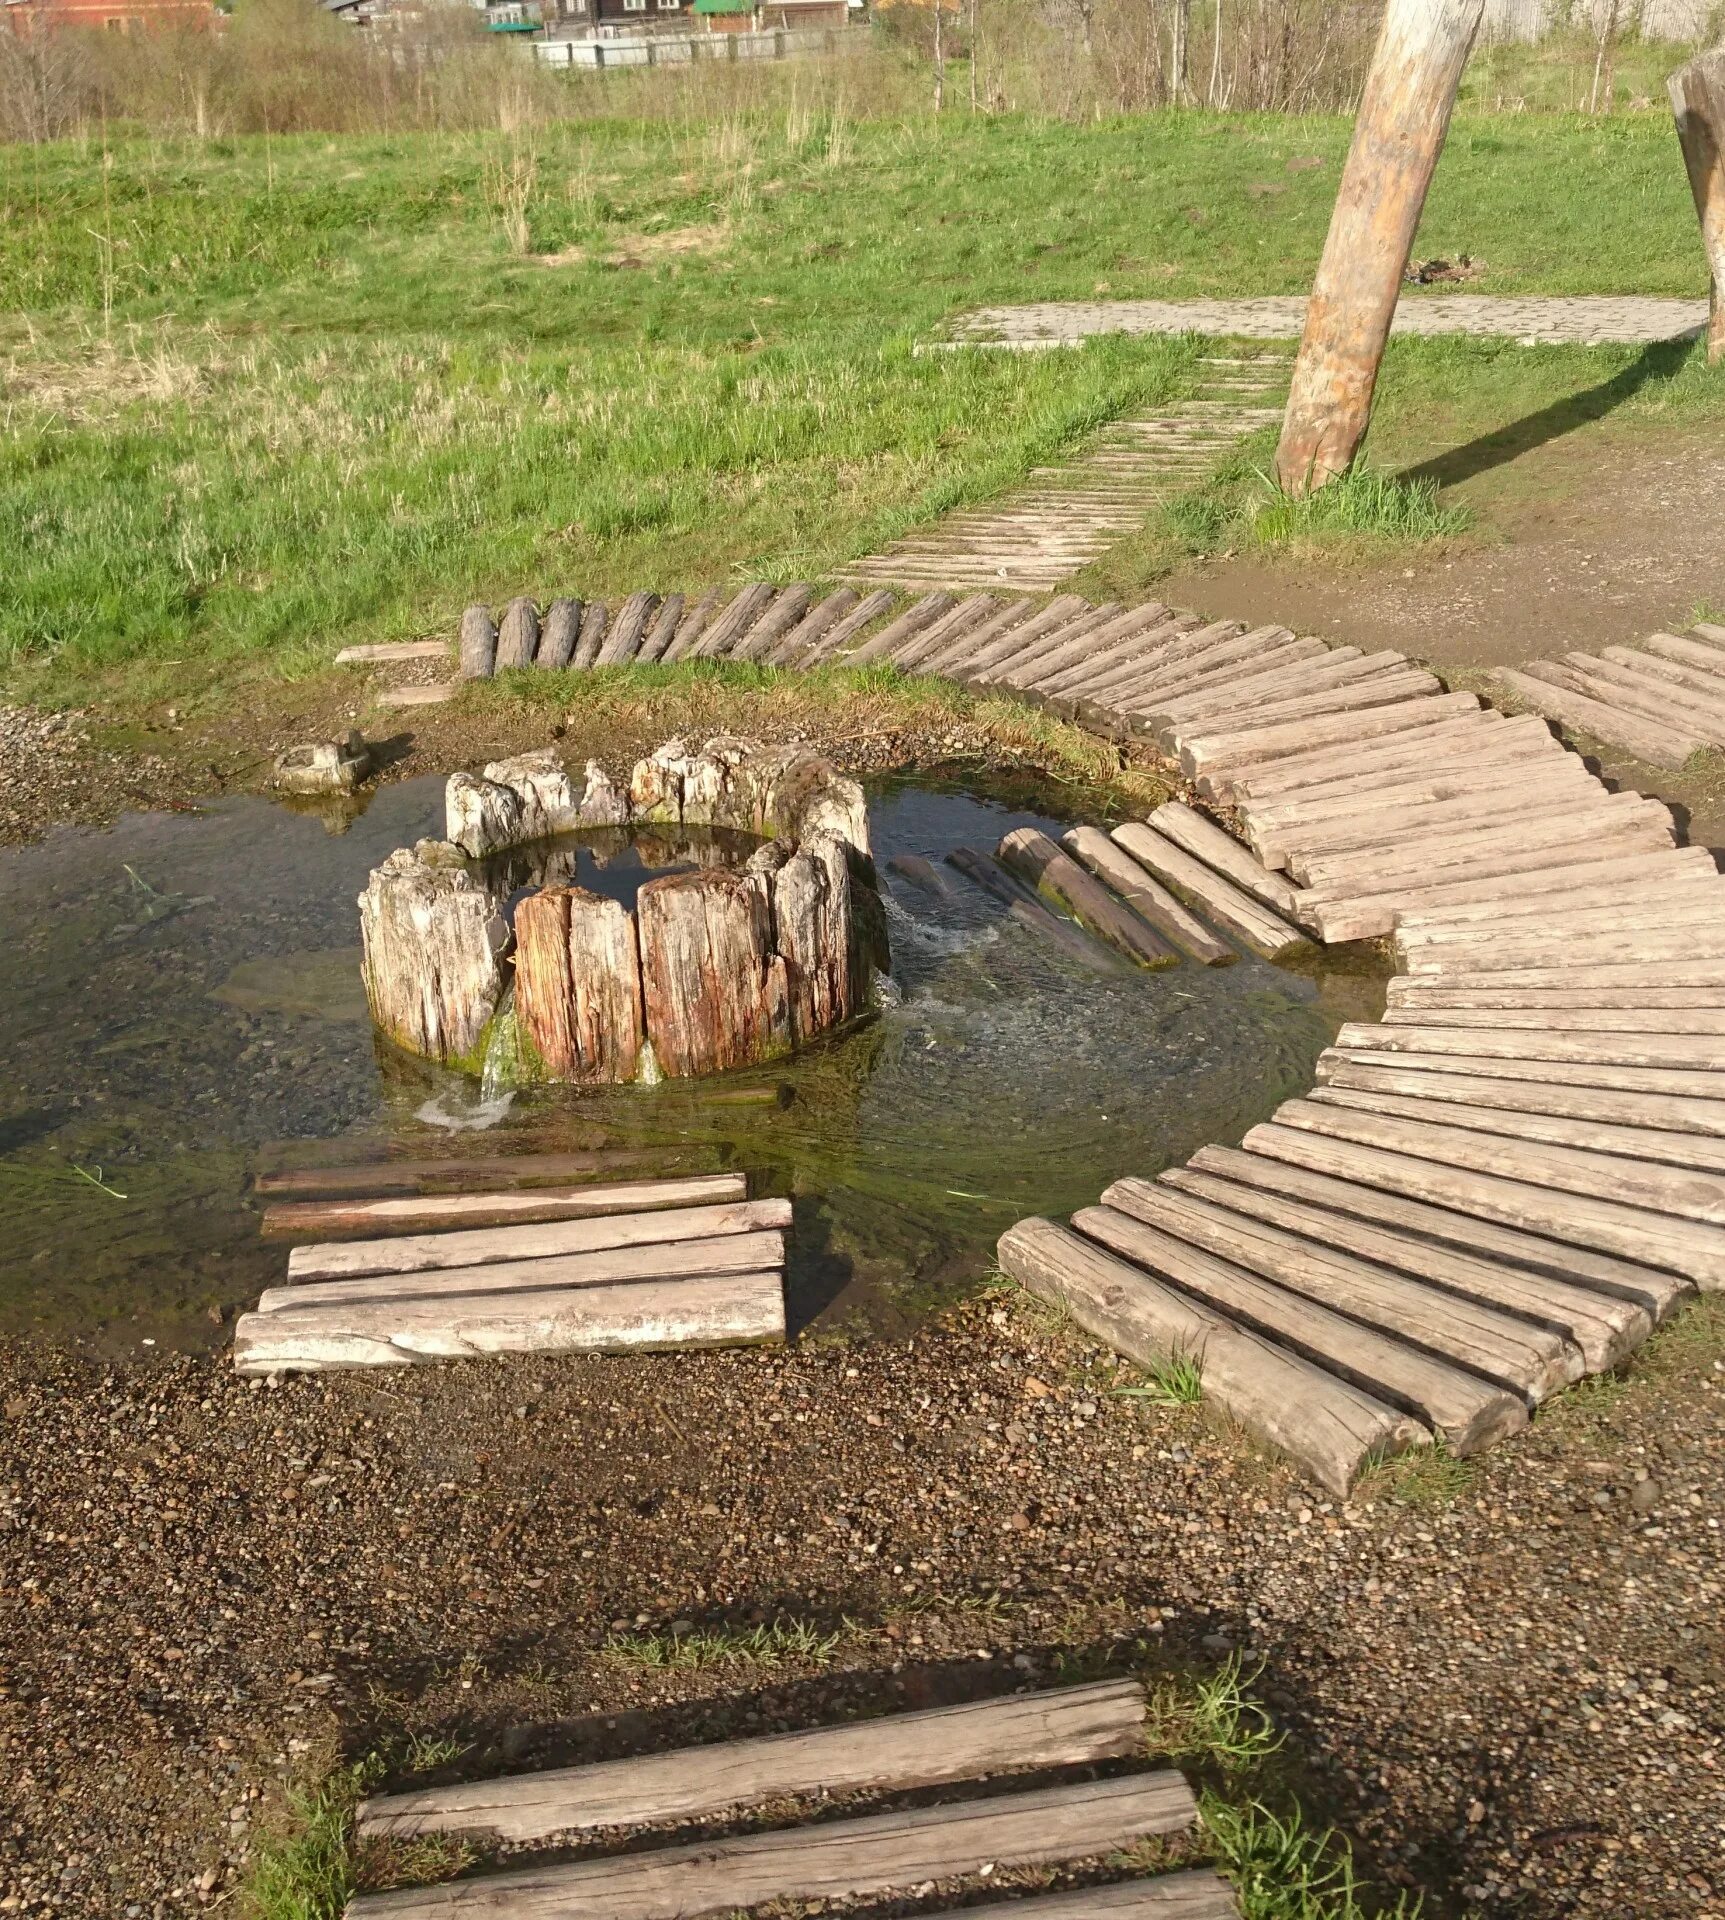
{"type": "Point", "coordinates": [1502, 1679]}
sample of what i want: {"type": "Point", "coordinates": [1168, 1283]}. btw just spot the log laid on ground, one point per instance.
{"type": "Point", "coordinates": [1028, 911]}
{"type": "Point", "coordinates": [558, 637]}
{"type": "Point", "coordinates": [1221, 852]}
{"type": "Point", "coordinates": [1530, 1361]}
{"type": "Point", "coordinates": [578, 984]}
{"type": "Point", "coordinates": [517, 634]}
{"type": "Point", "coordinates": [1398, 134]}
{"type": "Point", "coordinates": [1210, 893]}
{"type": "Point", "coordinates": [786, 612]}
{"type": "Point", "coordinates": [477, 644]}
{"type": "Point", "coordinates": [1216, 760]}
{"type": "Point", "coordinates": [818, 620]}
{"type": "Point", "coordinates": [433, 937]}
{"type": "Point", "coordinates": [1469, 1413]}
{"type": "Point", "coordinates": [675, 1220]}
{"type": "Point", "coordinates": [659, 1260]}
{"type": "Point", "coordinates": [432, 695]}
{"type": "Point", "coordinates": [1603, 1330]}
{"type": "Point", "coordinates": [1698, 101]}
{"type": "Point", "coordinates": [690, 628]}
{"type": "Point", "coordinates": [663, 630]}
{"type": "Point", "coordinates": [835, 638]}
{"type": "Point", "coordinates": [595, 617]}
{"type": "Point", "coordinates": [1197, 1894]}
{"type": "Point", "coordinates": [1331, 1430]}
{"type": "Point", "coordinates": [626, 630]}
{"type": "Point", "coordinates": [647, 1316]}
{"type": "Point", "coordinates": [1648, 1288]}
{"type": "Point", "coordinates": [1070, 1726]}
{"type": "Point", "coordinates": [431, 1176]}
{"type": "Point", "coordinates": [727, 628]}
{"type": "Point", "coordinates": [393, 650]}
{"type": "Point", "coordinates": [916, 618]}
{"type": "Point", "coordinates": [1658, 746]}
{"type": "Point", "coordinates": [830, 1859]}
{"type": "Point", "coordinates": [1041, 863]}
{"type": "Point", "coordinates": [1152, 902]}
{"type": "Point", "coordinates": [1538, 1013]}
{"type": "Point", "coordinates": [528, 1207]}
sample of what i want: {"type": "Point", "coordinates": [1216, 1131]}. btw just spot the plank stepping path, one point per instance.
{"type": "Point", "coordinates": [508, 1262]}
{"type": "Point", "coordinates": [959, 1837]}
{"type": "Point", "coordinates": [1662, 701]}
{"type": "Point", "coordinates": [1503, 1185]}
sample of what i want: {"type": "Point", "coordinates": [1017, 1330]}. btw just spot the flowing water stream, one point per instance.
{"type": "Point", "coordinates": [184, 1005]}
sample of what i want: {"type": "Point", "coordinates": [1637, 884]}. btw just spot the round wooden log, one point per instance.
{"type": "Point", "coordinates": [716, 992]}
{"type": "Point", "coordinates": [1698, 102]}
{"type": "Point", "coordinates": [558, 637]}
{"type": "Point", "coordinates": [593, 622]}
{"type": "Point", "coordinates": [434, 939]}
{"type": "Point", "coordinates": [478, 645]}
{"type": "Point", "coordinates": [518, 634]}
{"type": "Point", "coordinates": [578, 984]}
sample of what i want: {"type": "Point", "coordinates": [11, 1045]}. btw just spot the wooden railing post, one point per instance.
{"type": "Point", "coordinates": [1404, 114]}
{"type": "Point", "coordinates": [1698, 100]}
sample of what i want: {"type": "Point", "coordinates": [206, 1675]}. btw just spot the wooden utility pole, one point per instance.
{"type": "Point", "coordinates": [1404, 115]}
{"type": "Point", "coordinates": [1698, 100]}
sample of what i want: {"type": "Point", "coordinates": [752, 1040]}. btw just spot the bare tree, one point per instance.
{"type": "Point", "coordinates": [45, 85]}
{"type": "Point", "coordinates": [939, 55]}
{"type": "Point", "coordinates": [1177, 51]}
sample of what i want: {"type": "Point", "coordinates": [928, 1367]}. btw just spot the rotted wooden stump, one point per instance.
{"type": "Point", "coordinates": [578, 984]}
{"type": "Point", "coordinates": [434, 939]}
{"type": "Point", "coordinates": [716, 990]}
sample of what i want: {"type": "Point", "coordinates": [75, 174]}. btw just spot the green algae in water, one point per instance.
{"type": "Point", "coordinates": [177, 1050]}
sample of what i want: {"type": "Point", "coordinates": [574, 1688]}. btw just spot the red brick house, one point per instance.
{"type": "Point", "coordinates": [112, 16]}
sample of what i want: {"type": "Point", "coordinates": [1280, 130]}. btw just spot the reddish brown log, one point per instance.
{"type": "Point", "coordinates": [1404, 115]}
{"type": "Point", "coordinates": [578, 984]}
{"type": "Point", "coordinates": [1698, 101]}
{"type": "Point", "coordinates": [716, 992]}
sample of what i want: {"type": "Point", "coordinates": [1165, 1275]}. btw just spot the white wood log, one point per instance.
{"type": "Point", "coordinates": [433, 938]}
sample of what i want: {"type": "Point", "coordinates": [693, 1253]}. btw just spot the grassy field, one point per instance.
{"type": "Point", "coordinates": [266, 396]}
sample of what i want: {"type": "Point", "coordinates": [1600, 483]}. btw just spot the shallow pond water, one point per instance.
{"type": "Point", "coordinates": [185, 1007]}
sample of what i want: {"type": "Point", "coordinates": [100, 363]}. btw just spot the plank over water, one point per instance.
{"type": "Point", "coordinates": [1041, 864]}
{"type": "Point", "coordinates": [499, 1209]}
{"type": "Point", "coordinates": [661, 1260]}
{"type": "Point", "coordinates": [1331, 1429]}
{"type": "Point", "coordinates": [1219, 899]}
{"type": "Point", "coordinates": [1468, 1412]}
{"type": "Point", "coordinates": [1066, 1727]}
{"type": "Point", "coordinates": [830, 1859]}
{"type": "Point", "coordinates": [477, 1246]}
{"type": "Point", "coordinates": [419, 1176]}
{"type": "Point", "coordinates": [1116, 868]}
{"type": "Point", "coordinates": [648, 1316]}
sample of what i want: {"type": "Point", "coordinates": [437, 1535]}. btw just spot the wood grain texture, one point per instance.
{"type": "Point", "coordinates": [1210, 893]}
{"type": "Point", "coordinates": [1151, 901]}
{"type": "Point", "coordinates": [578, 984]}
{"type": "Point", "coordinates": [457, 1175]}
{"type": "Point", "coordinates": [1065, 1727]}
{"type": "Point", "coordinates": [1041, 864]}
{"type": "Point", "coordinates": [827, 1860]}
{"type": "Point", "coordinates": [715, 989]}
{"type": "Point", "coordinates": [498, 1209]}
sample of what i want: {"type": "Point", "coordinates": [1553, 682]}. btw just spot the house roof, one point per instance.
{"type": "Point", "coordinates": [724, 6]}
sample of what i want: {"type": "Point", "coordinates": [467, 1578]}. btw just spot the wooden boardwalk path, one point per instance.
{"type": "Point", "coordinates": [1502, 1186]}
{"type": "Point", "coordinates": [1065, 516]}
{"type": "Point", "coordinates": [863, 1852]}
{"type": "Point", "coordinates": [1661, 701]}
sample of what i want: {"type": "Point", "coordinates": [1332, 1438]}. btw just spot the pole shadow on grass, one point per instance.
{"type": "Point", "coordinates": [1663, 360]}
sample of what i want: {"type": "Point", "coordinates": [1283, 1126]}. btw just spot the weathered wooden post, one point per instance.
{"type": "Point", "coordinates": [1404, 114]}
{"type": "Point", "coordinates": [1698, 100]}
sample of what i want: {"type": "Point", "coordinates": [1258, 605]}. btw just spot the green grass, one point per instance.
{"type": "Point", "coordinates": [1283, 1868]}
{"type": "Point", "coordinates": [1177, 1381]}
{"type": "Point", "coordinates": [306, 1871]}
{"type": "Point", "coordinates": [770, 1645]}
{"type": "Point", "coordinates": [267, 397]}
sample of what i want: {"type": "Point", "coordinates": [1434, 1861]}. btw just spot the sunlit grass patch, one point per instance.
{"type": "Point", "coordinates": [1177, 1381]}
{"type": "Point", "coordinates": [1363, 503]}
{"type": "Point", "coordinates": [1284, 1869]}
{"type": "Point", "coordinates": [771, 1644]}
{"type": "Point", "coordinates": [1210, 1717]}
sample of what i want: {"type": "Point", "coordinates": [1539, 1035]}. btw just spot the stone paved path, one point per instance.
{"type": "Point", "coordinates": [1065, 516]}
{"type": "Point", "coordinates": [1587, 321]}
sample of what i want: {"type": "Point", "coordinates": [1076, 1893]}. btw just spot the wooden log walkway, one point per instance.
{"type": "Point", "coordinates": [963, 1837]}
{"type": "Point", "coordinates": [1508, 1181]}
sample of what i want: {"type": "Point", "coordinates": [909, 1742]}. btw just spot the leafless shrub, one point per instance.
{"type": "Point", "coordinates": [47, 85]}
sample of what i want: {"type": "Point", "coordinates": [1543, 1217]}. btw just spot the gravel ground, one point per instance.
{"type": "Point", "coordinates": [1502, 1680]}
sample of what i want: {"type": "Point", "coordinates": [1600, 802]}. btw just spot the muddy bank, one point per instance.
{"type": "Point", "coordinates": [1506, 1688]}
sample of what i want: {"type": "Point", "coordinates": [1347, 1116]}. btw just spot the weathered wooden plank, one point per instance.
{"type": "Point", "coordinates": [932, 656]}
{"type": "Point", "coordinates": [1657, 745]}
{"type": "Point", "coordinates": [1083, 627]}
{"type": "Point", "coordinates": [1433, 1003]}
{"type": "Point", "coordinates": [1603, 1330]}
{"type": "Point", "coordinates": [834, 641]}
{"type": "Point", "coordinates": [1603, 974]}
{"type": "Point", "coordinates": [1699, 1082]}
{"type": "Point", "coordinates": [1206, 654]}
{"type": "Point", "coordinates": [595, 619]}
{"type": "Point", "coordinates": [517, 634]}
{"type": "Point", "coordinates": [1691, 1051]}
{"type": "Point", "coordinates": [433, 694]}
{"type": "Point", "coordinates": [477, 645]}
{"type": "Point", "coordinates": [1106, 682]}
{"type": "Point", "coordinates": [1685, 1247]}
{"type": "Point", "coordinates": [393, 650]}
{"type": "Point", "coordinates": [1696, 935]}
{"type": "Point", "coordinates": [1214, 759]}
{"type": "Point", "coordinates": [659, 1260]}
{"type": "Point", "coordinates": [1285, 670]}
{"type": "Point", "coordinates": [497, 1209]}
{"type": "Point", "coordinates": [1330, 1429]}
{"type": "Point", "coordinates": [662, 631]}
{"type": "Point", "coordinates": [1404, 113]}
{"type": "Point", "coordinates": [692, 626]}
{"type": "Point", "coordinates": [919, 615]}
{"type": "Point", "coordinates": [827, 1860]}
{"type": "Point", "coordinates": [1197, 1894]}
{"type": "Point", "coordinates": [1068, 1726]}
{"type": "Point", "coordinates": [714, 1212]}
{"type": "Point", "coordinates": [648, 1316]}
{"type": "Point", "coordinates": [558, 637]}
{"type": "Point", "coordinates": [1126, 657]}
{"type": "Point", "coordinates": [1651, 1289]}
{"type": "Point", "coordinates": [725, 629]}
{"type": "Point", "coordinates": [1151, 902]}
{"type": "Point", "coordinates": [1220, 851]}
{"type": "Point", "coordinates": [819, 620]}
{"type": "Point", "coordinates": [1661, 1112]}
{"type": "Point", "coordinates": [1468, 1413]}
{"type": "Point", "coordinates": [1372, 824]}
{"type": "Point", "coordinates": [1053, 873]}
{"type": "Point", "coordinates": [962, 662]}
{"type": "Point", "coordinates": [1218, 898]}
{"type": "Point", "coordinates": [784, 617]}
{"type": "Point", "coordinates": [968, 617]}
{"type": "Point", "coordinates": [1028, 911]}
{"type": "Point", "coordinates": [1657, 895]}
{"type": "Point", "coordinates": [1476, 737]}
{"type": "Point", "coordinates": [1096, 645]}
{"type": "Point", "coordinates": [1682, 1193]}
{"type": "Point", "coordinates": [715, 990]}
{"type": "Point", "coordinates": [378, 1177]}
{"type": "Point", "coordinates": [1531, 1362]}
